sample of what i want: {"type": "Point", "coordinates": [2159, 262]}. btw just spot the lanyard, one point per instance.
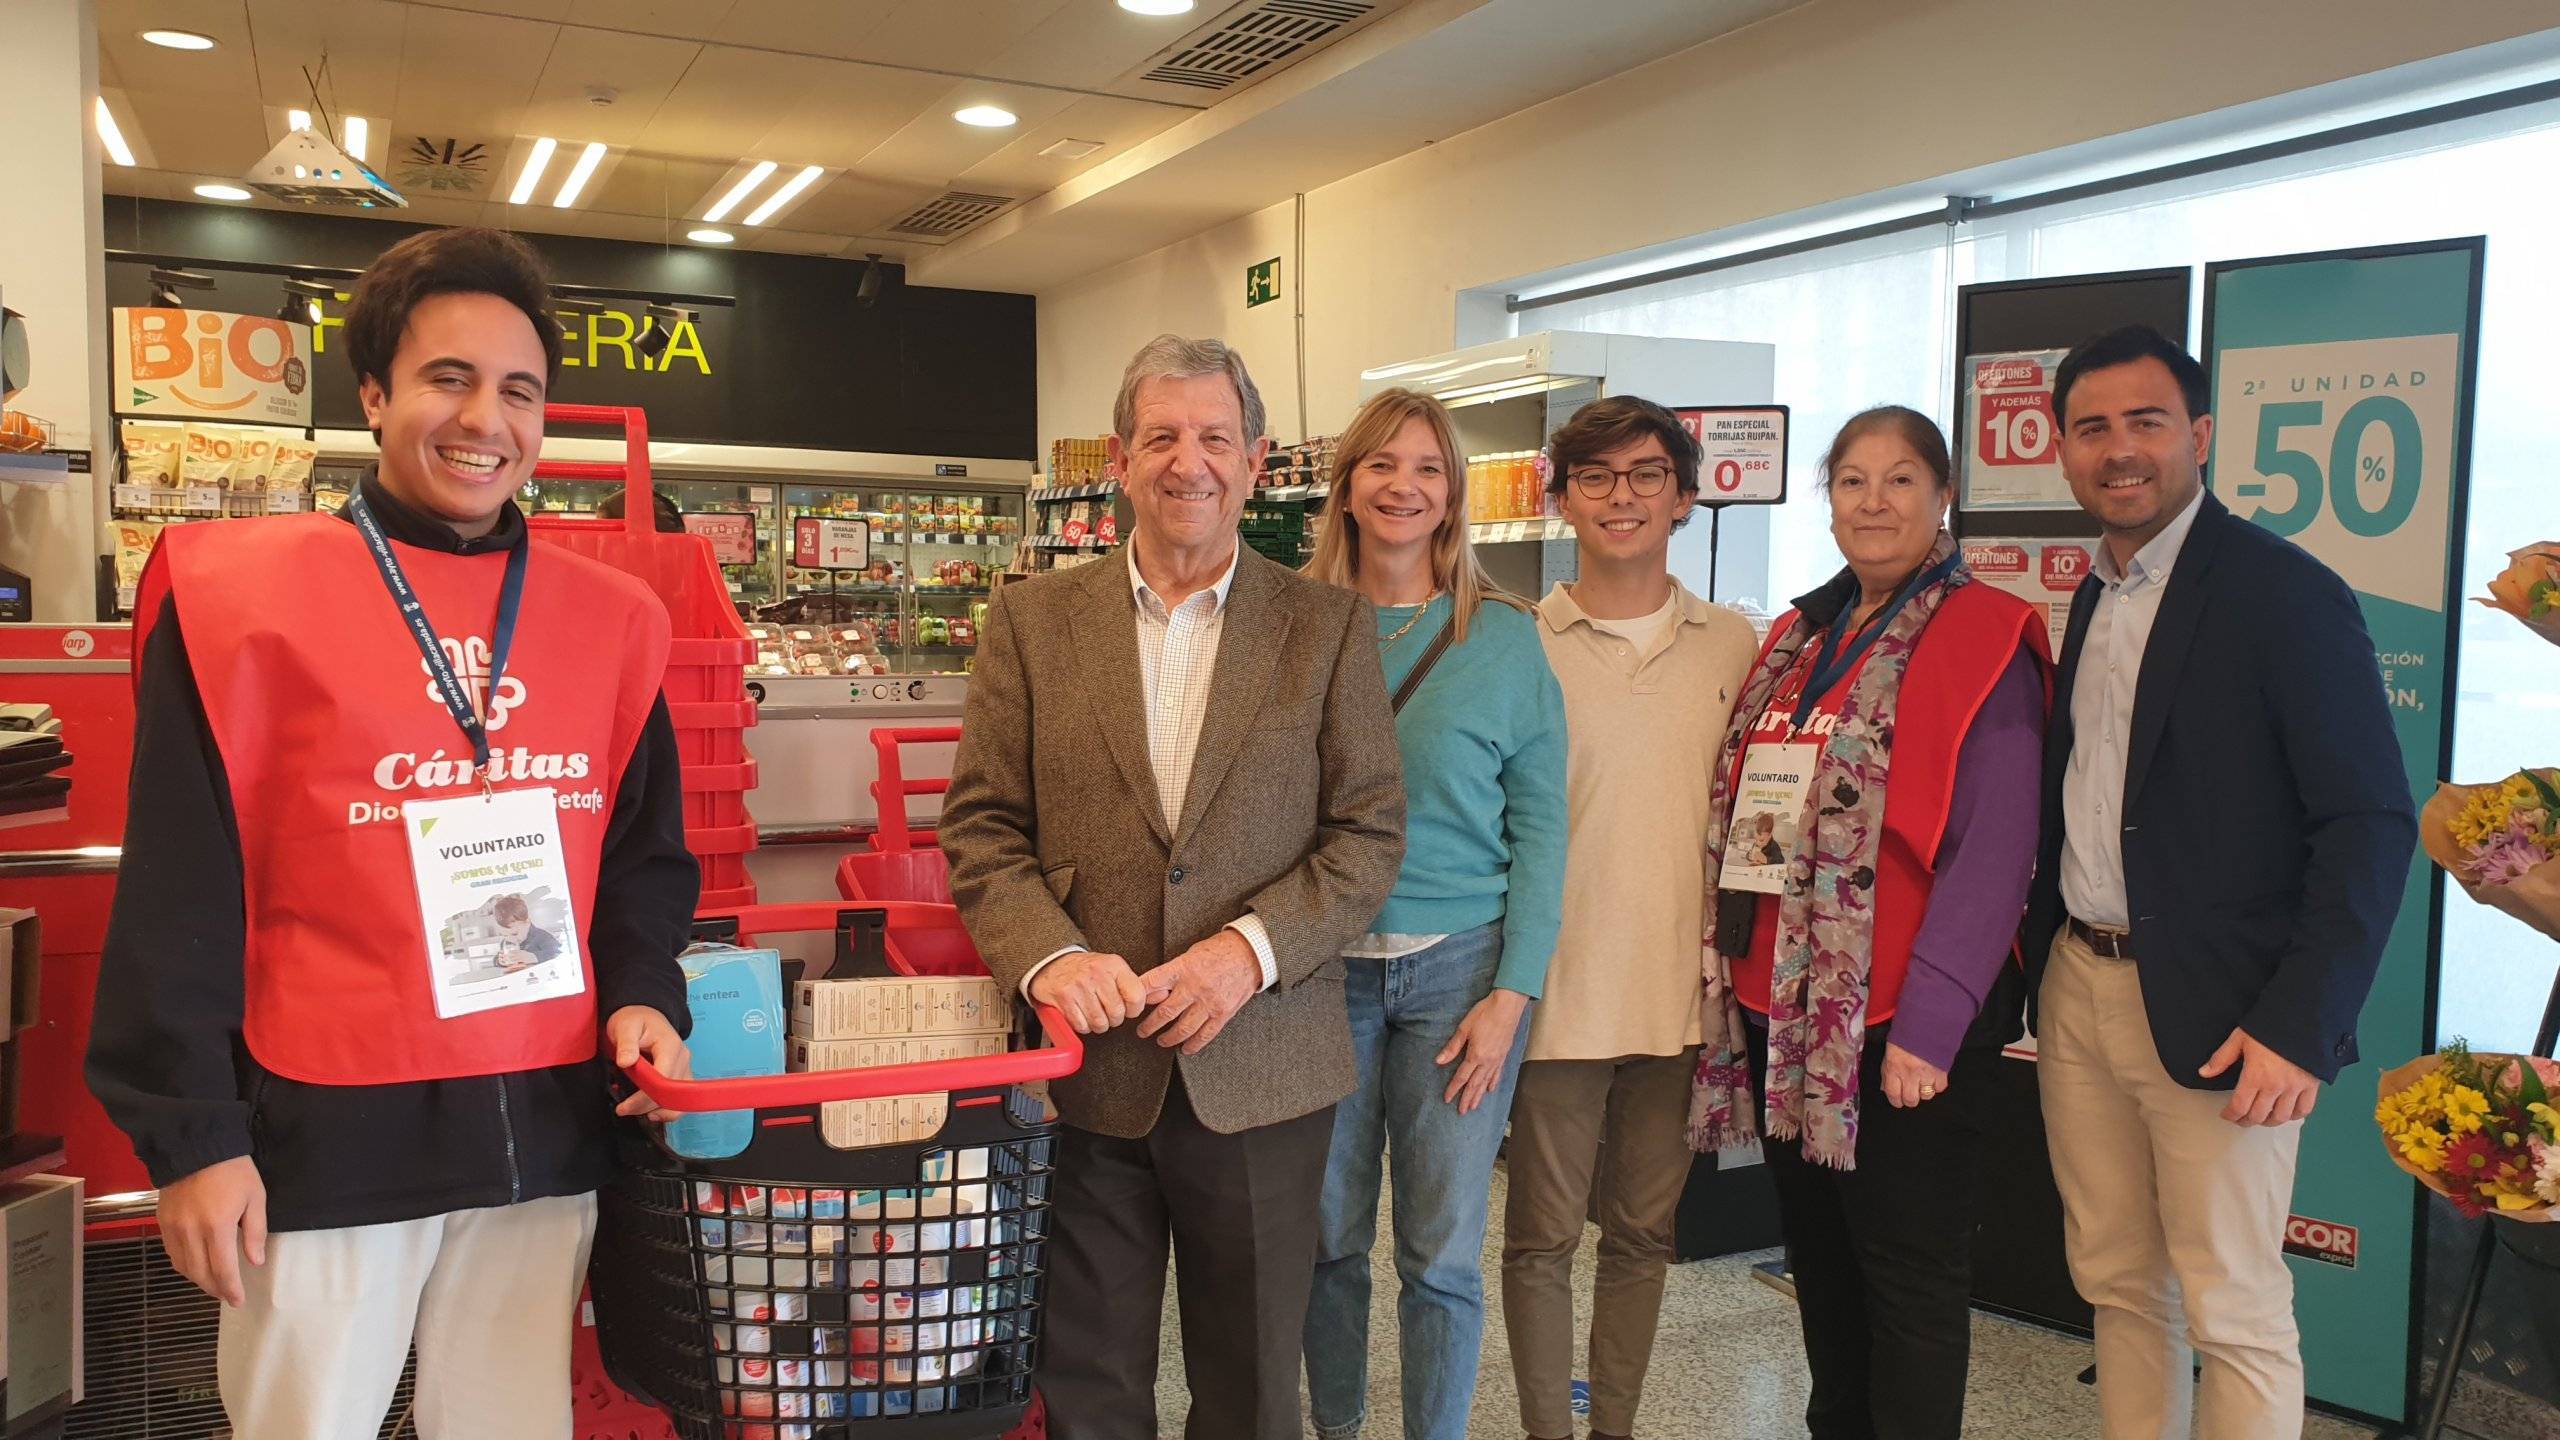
{"type": "Point", "coordinates": [457, 699]}
{"type": "Point", "coordinates": [1831, 664]}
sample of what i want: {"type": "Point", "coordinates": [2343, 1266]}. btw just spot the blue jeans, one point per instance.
{"type": "Point", "coordinates": [1403, 1012]}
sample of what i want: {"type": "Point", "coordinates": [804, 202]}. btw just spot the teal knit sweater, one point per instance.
{"type": "Point", "coordinates": [1484, 756]}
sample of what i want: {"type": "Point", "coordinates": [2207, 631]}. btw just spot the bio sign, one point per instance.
{"type": "Point", "coordinates": [206, 365]}
{"type": "Point", "coordinates": [2342, 388]}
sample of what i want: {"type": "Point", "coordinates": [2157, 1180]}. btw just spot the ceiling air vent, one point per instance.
{"type": "Point", "coordinates": [1271, 33]}
{"type": "Point", "coordinates": [947, 215]}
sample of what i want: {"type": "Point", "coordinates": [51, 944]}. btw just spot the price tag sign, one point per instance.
{"type": "Point", "coordinates": [2044, 573]}
{"type": "Point", "coordinates": [819, 543]}
{"type": "Point", "coordinates": [1743, 453]}
{"type": "Point", "coordinates": [2012, 451]}
{"type": "Point", "coordinates": [732, 537]}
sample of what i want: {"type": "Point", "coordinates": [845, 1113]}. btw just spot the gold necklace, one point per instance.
{"type": "Point", "coordinates": [1419, 611]}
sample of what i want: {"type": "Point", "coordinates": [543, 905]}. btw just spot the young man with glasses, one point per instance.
{"type": "Point", "coordinates": [1649, 673]}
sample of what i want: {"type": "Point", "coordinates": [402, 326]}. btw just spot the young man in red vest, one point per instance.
{"type": "Point", "coordinates": [358, 736]}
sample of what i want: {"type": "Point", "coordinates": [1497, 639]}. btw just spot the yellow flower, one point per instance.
{"type": "Point", "coordinates": [2516, 1199]}
{"type": "Point", "coordinates": [2466, 1110]}
{"type": "Point", "coordinates": [2485, 813]}
{"type": "Point", "coordinates": [2422, 1148]}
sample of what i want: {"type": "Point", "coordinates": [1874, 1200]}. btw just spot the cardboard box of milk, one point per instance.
{"type": "Point", "coordinates": [898, 1006]}
{"type": "Point", "coordinates": [738, 1030]}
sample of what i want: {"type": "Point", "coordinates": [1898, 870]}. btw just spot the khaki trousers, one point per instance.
{"type": "Point", "coordinates": [1620, 1125]}
{"type": "Point", "coordinates": [2173, 1219]}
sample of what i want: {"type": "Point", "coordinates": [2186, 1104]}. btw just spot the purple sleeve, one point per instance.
{"type": "Point", "coordinates": [1984, 863]}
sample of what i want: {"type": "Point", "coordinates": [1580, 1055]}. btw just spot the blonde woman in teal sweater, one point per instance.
{"type": "Point", "coordinates": [1441, 986]}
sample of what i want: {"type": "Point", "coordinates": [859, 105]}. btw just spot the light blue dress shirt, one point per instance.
{"type": "Point", "coordinates": [2102, 722]}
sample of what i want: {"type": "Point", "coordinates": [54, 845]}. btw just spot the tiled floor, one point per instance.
{"type": "Point", "coordinates": [1729, 1366]}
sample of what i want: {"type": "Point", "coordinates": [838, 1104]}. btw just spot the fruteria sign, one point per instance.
{"type": "Point", "coordinates": [207, 365]}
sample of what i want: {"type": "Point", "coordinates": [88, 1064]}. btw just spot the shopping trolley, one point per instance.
{"type": "Point", "coordinates": [801, 1291]}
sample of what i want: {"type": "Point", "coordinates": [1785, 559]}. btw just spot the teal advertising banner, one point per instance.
{"type": "Point", "coordinates": [2342, 388]}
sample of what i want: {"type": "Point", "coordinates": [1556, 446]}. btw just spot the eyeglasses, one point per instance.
{"type": "Point", "coordinates": [1599, 482]}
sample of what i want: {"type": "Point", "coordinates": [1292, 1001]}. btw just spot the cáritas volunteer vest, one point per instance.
{"type": "Point", "coordinates": [329, 722]}
{"type": "Point", "coordinates": [1959, 659]}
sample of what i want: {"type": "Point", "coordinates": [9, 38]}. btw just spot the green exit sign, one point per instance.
{"type": "Point", "coordinates": [1262, 282]}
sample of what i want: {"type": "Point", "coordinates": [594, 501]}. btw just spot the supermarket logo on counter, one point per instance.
{"type": "Point", "coordinates": [2321, 1240]}
{"type": "Point", "coordinates": [589, 340]}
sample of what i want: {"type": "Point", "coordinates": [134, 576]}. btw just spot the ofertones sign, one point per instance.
{"type": "Point", "coordinates": [818, 543]}
{"type": "Point", "coordinates": [2342, 388]}
{"type": "Point", "coordinates": [1743, 453]}
{"type": "Point", "coordinates": [2044, 573]}
{"type": "Point", "coordinates": [732, 537]}
{"type": "Point", "coordinates": [206, 365]}
{"type": "Point", "coordinates": [2011, 456]}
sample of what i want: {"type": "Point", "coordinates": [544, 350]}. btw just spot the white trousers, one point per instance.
{"type": "Point", "coordinates": [488, 1296]}
{"type": "Point", "coordinates": [2173, 1219]}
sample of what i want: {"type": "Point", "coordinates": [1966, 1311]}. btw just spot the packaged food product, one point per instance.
{"type": "Point", "coordinates": [252, 471]}
{"type": "Point", "coordinates": [1079, 522]}
{"type": "Point", "coordinates": [153, 452]}
{"type": "Point", "coordinates": [963, 631]}
{"type": "Point", "coordinates": [211, 452]}
{"type": "Point", "coordinates": [1106, 530]}
{"type": "Point", "coordinates": [292, 465]}
{"type": "Point", "coordinates": [131, 542]}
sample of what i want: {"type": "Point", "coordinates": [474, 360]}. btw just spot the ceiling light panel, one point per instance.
{"type": "Point", "coordinates": [112, 137]}
{"type": "Point", "coordinates": [357, 132]}
{"type": "Point", "coordinates": [297, 119]}
{"type": "Point", "coordinates": [579, 174]}
{"type": "Point", "coordinates": [789, 192]}
{"type": "Point", "coordinates": [534, 165]}
{"type": "Point", "coordinates": [755, 176]}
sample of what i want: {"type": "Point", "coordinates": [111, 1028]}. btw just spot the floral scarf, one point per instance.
{"type": "Point", "coordinates": [1826, 911]}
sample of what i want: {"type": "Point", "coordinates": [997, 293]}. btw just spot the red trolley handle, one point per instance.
{"type": "Point", "coordinates": [1064, 1052]}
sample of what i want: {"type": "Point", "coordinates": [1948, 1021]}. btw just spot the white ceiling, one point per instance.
{"type": "Point", "coordinates": [694, 91]}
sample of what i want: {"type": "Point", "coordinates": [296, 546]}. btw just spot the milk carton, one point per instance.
{"type": "Point", "coordinates": [738, 1031]}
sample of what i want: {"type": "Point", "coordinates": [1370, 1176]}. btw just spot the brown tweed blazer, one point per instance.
{"type": "Point", "coordinates": [1295, 812]}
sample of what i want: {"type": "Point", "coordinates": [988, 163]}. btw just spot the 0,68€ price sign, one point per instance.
{"type": "Point", "coordinates": [2340, 446]}
{"type": "Point", "coordinates": [1742, 452]}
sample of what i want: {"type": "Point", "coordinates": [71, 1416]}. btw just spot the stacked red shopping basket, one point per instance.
{"type": "Point", "coordinates": [706, 683]}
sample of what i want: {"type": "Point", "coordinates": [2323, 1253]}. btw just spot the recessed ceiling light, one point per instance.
{"type": "Point", "coordinates": [784, 196]}
{"type": "Point", "coordinates": [578, 174]}
{"type": "Point", "coordinates": [709, 236]}
{"type": "Point", "coordinates": [222, 192]}
{"type": "Point", "coordinates": [985, 117]}
{"type": "Point", "coordinates": [356, 135]}
{"type": "Point", "coordinates": [178, 39]}
{"type": "Point", "coordinates": [533, 167]}
{"type": "Point", "coordinates": [740, 191]}
{"type": "Point", "coordinates": [111, 137]}
{"type": "Point", "coordinates": [1157, 7]}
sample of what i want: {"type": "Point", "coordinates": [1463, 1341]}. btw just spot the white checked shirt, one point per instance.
{"type": "Point", "coordinates": [1177, 661]}
{"type": "Point", "coordinates": [2128, 603]}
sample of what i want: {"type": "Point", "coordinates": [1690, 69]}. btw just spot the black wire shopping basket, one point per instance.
{"type": "Point", "coordinates": [802, 1291]}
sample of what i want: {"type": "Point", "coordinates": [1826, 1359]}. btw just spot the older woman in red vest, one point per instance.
{"type": "Point", "coordinates": [1875, 813]}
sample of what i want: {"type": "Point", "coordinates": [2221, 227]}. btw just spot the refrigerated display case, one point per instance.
{"type": "Point", "coordinates": [1507, 397]}
{"type": "Point", "coordinates": [934, 557]}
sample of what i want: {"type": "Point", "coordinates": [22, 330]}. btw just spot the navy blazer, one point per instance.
{"type": "Point", "coordinates": [2267, 818]}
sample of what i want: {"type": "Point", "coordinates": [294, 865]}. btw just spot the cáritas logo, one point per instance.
{"type": "Point", "coordinates": [469, 658]}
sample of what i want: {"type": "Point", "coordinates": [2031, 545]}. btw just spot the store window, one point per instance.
{"type": "Point", "coordinates": [1870, 323]}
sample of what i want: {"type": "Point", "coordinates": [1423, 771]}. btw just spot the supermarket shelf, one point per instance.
{"type": "Point", "coordinates": [1052, 542]}
{"type": "Point", "coordinates": [25, 1155]}
{"type": "Point", "coordinates": [1075, 492]}
{"type": "Point", "coordinates": [35, 817]}
{"type": "Point", "coordinates": [943, 537]}
{"type": "Point", "coordinates": [951, 592]}
{"type": "Point", "coordinates": [933, 649]}
{"type": "Point", "coordinates": [1504, 532]}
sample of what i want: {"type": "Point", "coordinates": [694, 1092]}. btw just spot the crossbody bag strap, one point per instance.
{"type": "Point", "coordinates": [1422, 667]}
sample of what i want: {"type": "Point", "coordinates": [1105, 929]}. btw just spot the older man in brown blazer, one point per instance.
{"type": "Point", "coordinates": [1177, 798]}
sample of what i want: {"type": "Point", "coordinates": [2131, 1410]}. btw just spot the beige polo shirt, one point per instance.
{"type": "Point", "coordinates": [1642, 725]}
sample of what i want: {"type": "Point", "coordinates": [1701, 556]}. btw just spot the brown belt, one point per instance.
{"type": "Point", "coordinates": [2111, 944]}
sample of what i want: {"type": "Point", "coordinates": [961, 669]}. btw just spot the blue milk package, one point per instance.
{"type": "Point", "coordinates": [738, 1031]}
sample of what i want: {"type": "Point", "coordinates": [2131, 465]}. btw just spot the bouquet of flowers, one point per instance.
{"type": "Point", "coordinates": [2479, 1130]}
{"type": "Point", "coordinates": [2529, 589]}
{"type": "Point", "coordinates": [2499, 842]}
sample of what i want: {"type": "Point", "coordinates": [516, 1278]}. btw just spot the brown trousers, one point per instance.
{"type": "Point", "coordinates": [1614, 1131]}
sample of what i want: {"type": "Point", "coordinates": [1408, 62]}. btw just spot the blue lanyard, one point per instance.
{"type": "Point", "coordinates": [457, 698]}
{"type": "Point", "coordinates": [1831, 665]}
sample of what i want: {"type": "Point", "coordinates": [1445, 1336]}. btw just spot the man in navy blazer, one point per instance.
{"type": "Point", "coordinates": [2227, 834]}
